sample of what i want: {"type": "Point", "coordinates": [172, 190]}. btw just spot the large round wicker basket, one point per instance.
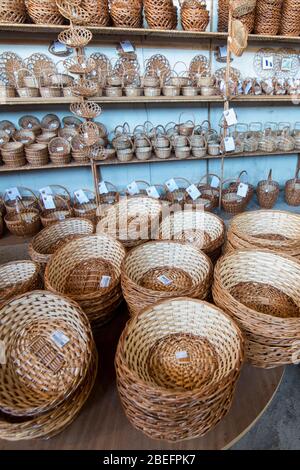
{"type": "Point", "coordinates": [177, 365]}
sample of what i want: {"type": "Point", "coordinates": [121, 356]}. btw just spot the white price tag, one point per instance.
{"type": "Point", "coordinates": [29, 125]}
{"type": "Point", "coordinates": [230, 117]}
{"type": "Point", "coordinates": [13, 194]}
{"type": "Point", "coordinates": [61, 217]}
{"type": "Point", "coordinates": [105, 281]}
{"type": "Point", "coordinates": [193, 192]}
{"type": "Point", "coordinates": [60, 149]}
{"type": "Point", "coordinates": [242, 190]}
{"type": "Point", "coordinates": [81, 196]}
{"type": "Point", "coordinates": [48, 201]}
{"type": "Point", "coordinates": [103, 188]}
{"type": "Point", "coordinates": [127, 46]}
{"type": "Point", "coordinates": [83, 66]}
{"type": "Point", "coordinates": [46, 190]}
{"type": "Point", "coordinates": [215, 182]}
{"type": "Point", "coordinates": [164, 280]}
{"type": "Point", "coordinates": [268, 62]}
{"type": "Point", "coordinates": [171, 185]}
{"type": "Point", "coordinates": [133, 188]}
{"type": "Point", "coordinates": [229, 144]}
{"type": "Point", "coordinates": [223, 51]}
{"type": "Point", "coordinates": [53, 125]}
{"type": "Point", "coordinates": [152, 192]}
{"type": "Point", "coordinates": [181, 355]}
{"type": "Point", "coordinates": [59, 338]}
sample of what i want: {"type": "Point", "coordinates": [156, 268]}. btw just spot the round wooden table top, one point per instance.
{"type": "Point", "coordinates": [102, 424]}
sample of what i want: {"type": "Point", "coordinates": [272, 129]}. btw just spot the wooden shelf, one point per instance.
{"type": "Point", "coordinates": [134, 161]}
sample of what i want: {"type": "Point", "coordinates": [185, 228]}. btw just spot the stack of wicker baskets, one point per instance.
{"type": "Point", "coordinates": [242, 10]}
{"type": "Point", "coordinates": [44, 12]}
{"type": "Point", "coordinates": [100, 9]}
{"type": "Point", "coordinates": [13, 154]}
{"type": "Point", "coordinates": [194, 15]}
{"type": "Point", "coordinates": [126, 14]}
{"type": "Point", "coordinates": [12, 11]}
{"type": "Point", "coordinates": [273, 230]}
{"type": "Point", "coordinates": [159, 270]}
{"type": "Point", "coordinates": [260, 290]}
{"type": "Point", "coordinates": [88, 270]}
{"type": "Point", "coordinates": [41, 387]}
{"type": "Point", "coordinates": [290, 19]}
{"type": "Point", "coordinates": [160, 14]}
{"type": "Point", "coordinates": [268, 16]}
{"type": "Point", "coordinates": [181, 354]}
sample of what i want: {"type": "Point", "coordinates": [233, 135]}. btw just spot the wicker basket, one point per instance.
{"type": "Point", "coordinates": [290, 18]}
{"type": "Point", "coordinates": [194, 16]}
{"type": "Point", "coordinates": [178, 196]}
{"type": "Point", "coordinates": [62, 211]}
{"type": "Point", "coordinates": [88, 133]}
{"type": "Point", "coordinates": [13, 11]}
{"type": "Point", "coordinates": [48, 240]}
{"type": "Point", "coordinates": [59, 151]}
{"type": "Point", "coordinates": [75, 36]}
{"type": "Point", "coordinates": [162, 269]}
{"type": "Point", "coordinates": [273, 230]}
{"type": "Point", "coordinates": [24, 136]}
{"type": "Point", "coordinates": [292, 190]}
{"type": "Point", "coordinates": [209, 192]}
{"type": "Point", "coordinates": [87, 210]}
{"type": "Point", "coordinates": [13, 154]}
{"type": "Point", "coordinates": [259, 289]}
{"type": "Point", "coordinates": [24, 223]}
{"type": "Point", "coordinates": [160, 14]}
{"type": "Point", "coordinates": [238, 40]}
{"type": "Point", "coordinates": [40, 371]}
{"type": "Point", "coordinates": [17, 278]}
{"type": "Point", "coordinates": [37, 154]}
{"type": "Point", "coordinates": [203, 230]}
{"type": "Point", "coordinates": [132, 220]}
{"type": "Point", "coordinates": [267, 192]}
{"type": "Point", "coordinates": [29, 200]}
{"type": "Point", "coordinates": [45, 137]}
{"type": "Point", "coordinates": [4, 137]}
{"type": "Point", "coordinates": [44, 12]}
{"type": "Point", "coordinates": [126, 14]}
{"type": "Point", "coordinates": [108, 195]}
{"type": "Point", "coordinates": [88, 270]}
{"type": "Point", "coordinates": [30, 123]}
{"type": "Point", "coordinates": [168, 361]}
{"type": "Point", "coordinates": [99, 12]}
{"type": "Point", "coordinates": [231, 202]}
{"type": "Point", "coordinates": [223, 15]}
{"type": "Point", "coordinates": [268, 15]}
{"type": "Point", "coordinates": [74, 12]}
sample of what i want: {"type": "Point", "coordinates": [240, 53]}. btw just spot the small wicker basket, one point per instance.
{"type": "Point", "coordinates": [267, 192]}
{"type": "Point", "coordinates": [292, 190]}
{"type": "Point", "coordinates": [17, 278]}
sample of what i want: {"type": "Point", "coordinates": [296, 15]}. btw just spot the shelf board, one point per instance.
{"type": "Point", "coordinates": [134, 161]}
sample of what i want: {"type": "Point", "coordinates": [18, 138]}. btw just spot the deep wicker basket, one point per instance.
{"type": "Point", "coordinates": [24, 223]}
{"type": "Point", "coordinates": [18, 277]}
{"type": "Point", "coordinates": [267, 192]}
{"type": "Point", "coordinates": [292, 190]}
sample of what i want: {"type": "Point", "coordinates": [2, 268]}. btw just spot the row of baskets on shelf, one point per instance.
{"type": "Point", "coordinates": [164, 283]}
{"type": "Point", "coordinates": [257, 87]}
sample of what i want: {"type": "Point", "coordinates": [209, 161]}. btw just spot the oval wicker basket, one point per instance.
{"type": "Point", "coordinates": [273, 230]}
{"type": "Point", "coordinates": [267, 192]}
{"type": "Point", "coordinates": [49, 346]}
{"type": "Point", "coordinates": [132, 220]}
{"type": "Point", "coordinates": [203, 230]}
{"type": "Point", "coordinates": [24, 223]}
{"type": "Point", "coordinates": [17, 278]}
{"type": "Point", "coordinates": [51, 238]}
{"type": "Point", "coordinates": [88, 270]}
{"type": "Point", "coordinates": [163, 269]}
{"type": "Point", "coordinates": [260, 290]}
{"type": "Point", "coordinates": [181, 354]}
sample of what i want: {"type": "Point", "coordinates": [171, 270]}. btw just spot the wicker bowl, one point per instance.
{"type": "Point", "coordinates": [17, 278]}
{"type": "Point", "coordinates": [180, 354]}
{"type": "Point", "coordinates": [24, 223]}
{"type": "Point", "coordinates": [163, 269]}
{"type": "Point", "coordinates": [259, 289]}
{"type": "Point", "coordinates": [88, 270]}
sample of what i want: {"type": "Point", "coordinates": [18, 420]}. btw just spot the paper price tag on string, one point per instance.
{"type": "Point", "coordinates": [230, 117]}
{"type": "Point", "coordinates": [164, 280]}
{"type": "Point", "coordinates": [171, 185]}
{"type": "Point", "coordinates": [48, 201]}
{"type": "Point", "coordinates": [105, 281]}
{"type": "Point", "coordinates": [242, 190]}
{"type": "Point", "coordinates": [268, 62]}
{"type": "Point", "coordinates": [60, 149]}
{"type": "Point", "coordinates": [152, 192]}
{"type": "Point", "coordinates": [46, 190]}
{"type": "Point", "coordinates": [127, 46]}
{"type": "Point", "coordinates": [181, 355]}
{"type": "Point", "coordinates": [59, 338]}
{"type": "Point", "coordinates": [81, 196]}
{"type": "Point", "coordinates": [215, 182]}
{"type": "Point", "coordinates": [229, 144]}
{"type": "Point", "coordinates": [193, 192]}
{"type": "Point", "coordinates": [13, 194]}
{"type": "Point", "coordinates": [223, 51]}
{"type": "Point", "coordinates": [133, 188]}
{"type": "Point", "coordinates": [103, 188]}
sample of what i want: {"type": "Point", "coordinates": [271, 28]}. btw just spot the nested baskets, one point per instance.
{"type": "Point", "coordinates": [126, 14]}
{"type": "Point", "coordinates": [267, 192]}
{"type": "Point", "coordinates": [260, 290]}
{"type": "Point", "coordinates": [131, 220]}
{"type": "Point", "coordinates": [290, 18]}
{"type": "Point", "coordinates": [268, 15]}
{"type": "Point", "coordinates": [292, 190]}
{"type": "Point", "coordinates": [194, 15]}
{"type": "Point", "coordinates": [59, 151]}
{"type": "Point", "coordinates": [44, 12]}
{"type": "Point", "coordinates": [273, 230]}
{"type": "Point", "coordinates": [88, 270]}
{"type": "Point", "coordinates": [177, 365]}
{"type": "Point", "coordinates": [49, 347]}
{"type": "Point", "coordinates": [24, 223]}
{"type": "Point", "coordinates": [158, 270]}
{"type": "Point", "coordinates": [203, 230]}
{"type": "Point", "coordinates": [48, 240]}
{"type": "Point", "coordinates": [37, 154]}
{"type": "Point", "coordinates": [17, 278]}
{"type": "Point", "coordinates": [13, 154]}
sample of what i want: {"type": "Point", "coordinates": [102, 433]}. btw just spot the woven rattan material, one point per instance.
{"type": "Point", "coordinates": [268, 15]}
{"type": "Point", "coordinates": [158, 270]}
{"type": "Point", "coordinates": [76, 36]}
{"type": "Point", "coordinates": [180, 354]}
{"type": "Point", "coordinates": [267, 192]}
{"type": "Point", "coordinates": [39, 371]}
{"type": "Point", "coordinates": [290, 18]}
{"type": "Point", "coordinates": [100, 304]}
{"type": "Point", "coordinates": [292, 190]}
{"type": "Point", "coordinates": [260, 290]}
{"type": "Point", "coordinates": [17, 278]}
{"type": "Point", "coordinates": [23, 224]}
{"type": "Point", "coordinates": [44, 12]}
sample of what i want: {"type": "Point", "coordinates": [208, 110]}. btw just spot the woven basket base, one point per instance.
{"type": "Point", "coordinates": [178, 277]}
{"type": "Point", "coordinates": [265, 299]}
{"type": "Point", "coordinates": [198, 238]}
{"type": "Point", "coordinates": [86, 277]}
{"type": "Point", "coordinates": [187, 373]}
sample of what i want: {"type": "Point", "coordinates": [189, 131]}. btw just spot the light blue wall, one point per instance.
{"type": "Point", "coordinates": [257, 168]}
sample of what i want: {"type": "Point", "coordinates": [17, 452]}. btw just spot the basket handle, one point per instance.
{"type": "Point", "coordinates": [297, 172]}
{"type": "Point", "coordinates": [253, 124]}
{"type": "Point", "coordinates": [137, 131]}
{"type": "Point", "coordinates": [112, 185]}
{"type": "Point", "coordinates": [240, 175]}
{"type": "Point", "coordinates": [17, 78]}
{"type": "Point", "coordinates": [65, 201]}
{"type": "Point", "coordinates": [208, 175]}
{"type": "Point", "coordinates": [180, 178]}
{"type": "Point", "coordinates": [206, 121]}
{"type": "Point", "coordinates": [180, 62]}
{"type": "Point", "coordinates": [282, 126]}
{"type": "Point", "coordinates": [271, 125]}
{"type": "Point", "coordinates": [193, 120]}
{"type": "Point", "coordinates": [25, 189]}
{"type": "Point", "coordinates": [85, 190]}
{"type": "Point", "coordinates": [270, 175]}
{"type": "Point", "coordinates": [63, 188]}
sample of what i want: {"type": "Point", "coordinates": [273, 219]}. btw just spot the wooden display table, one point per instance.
{"type": "Point", "coordinates": [102, 424]}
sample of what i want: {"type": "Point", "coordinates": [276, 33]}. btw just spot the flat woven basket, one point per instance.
{"type": "Point", "coordinates": [49, 345]}
{"type": "Point", "coordinates": [273, 230]}
{"type": "Point", "coordinates": [18, 277]}
{"type": "Point", "coordinates": [260, 290]}
{"type": "Point", "coordinates": [88, 270]}
{"type": "Point", "coordinates": [180, 354]}
{"type": "Point", "coordinates": [163, 269]}
{"type": "Point", "coordinates": [203, 230]}
{"type": "Point", "coordinates": [48, 240]}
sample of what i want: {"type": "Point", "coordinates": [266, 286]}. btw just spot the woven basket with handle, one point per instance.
{"type": "Point", "coordinates": [267, 192]}
{"type": "Point", "coordinates": [292, 190]}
